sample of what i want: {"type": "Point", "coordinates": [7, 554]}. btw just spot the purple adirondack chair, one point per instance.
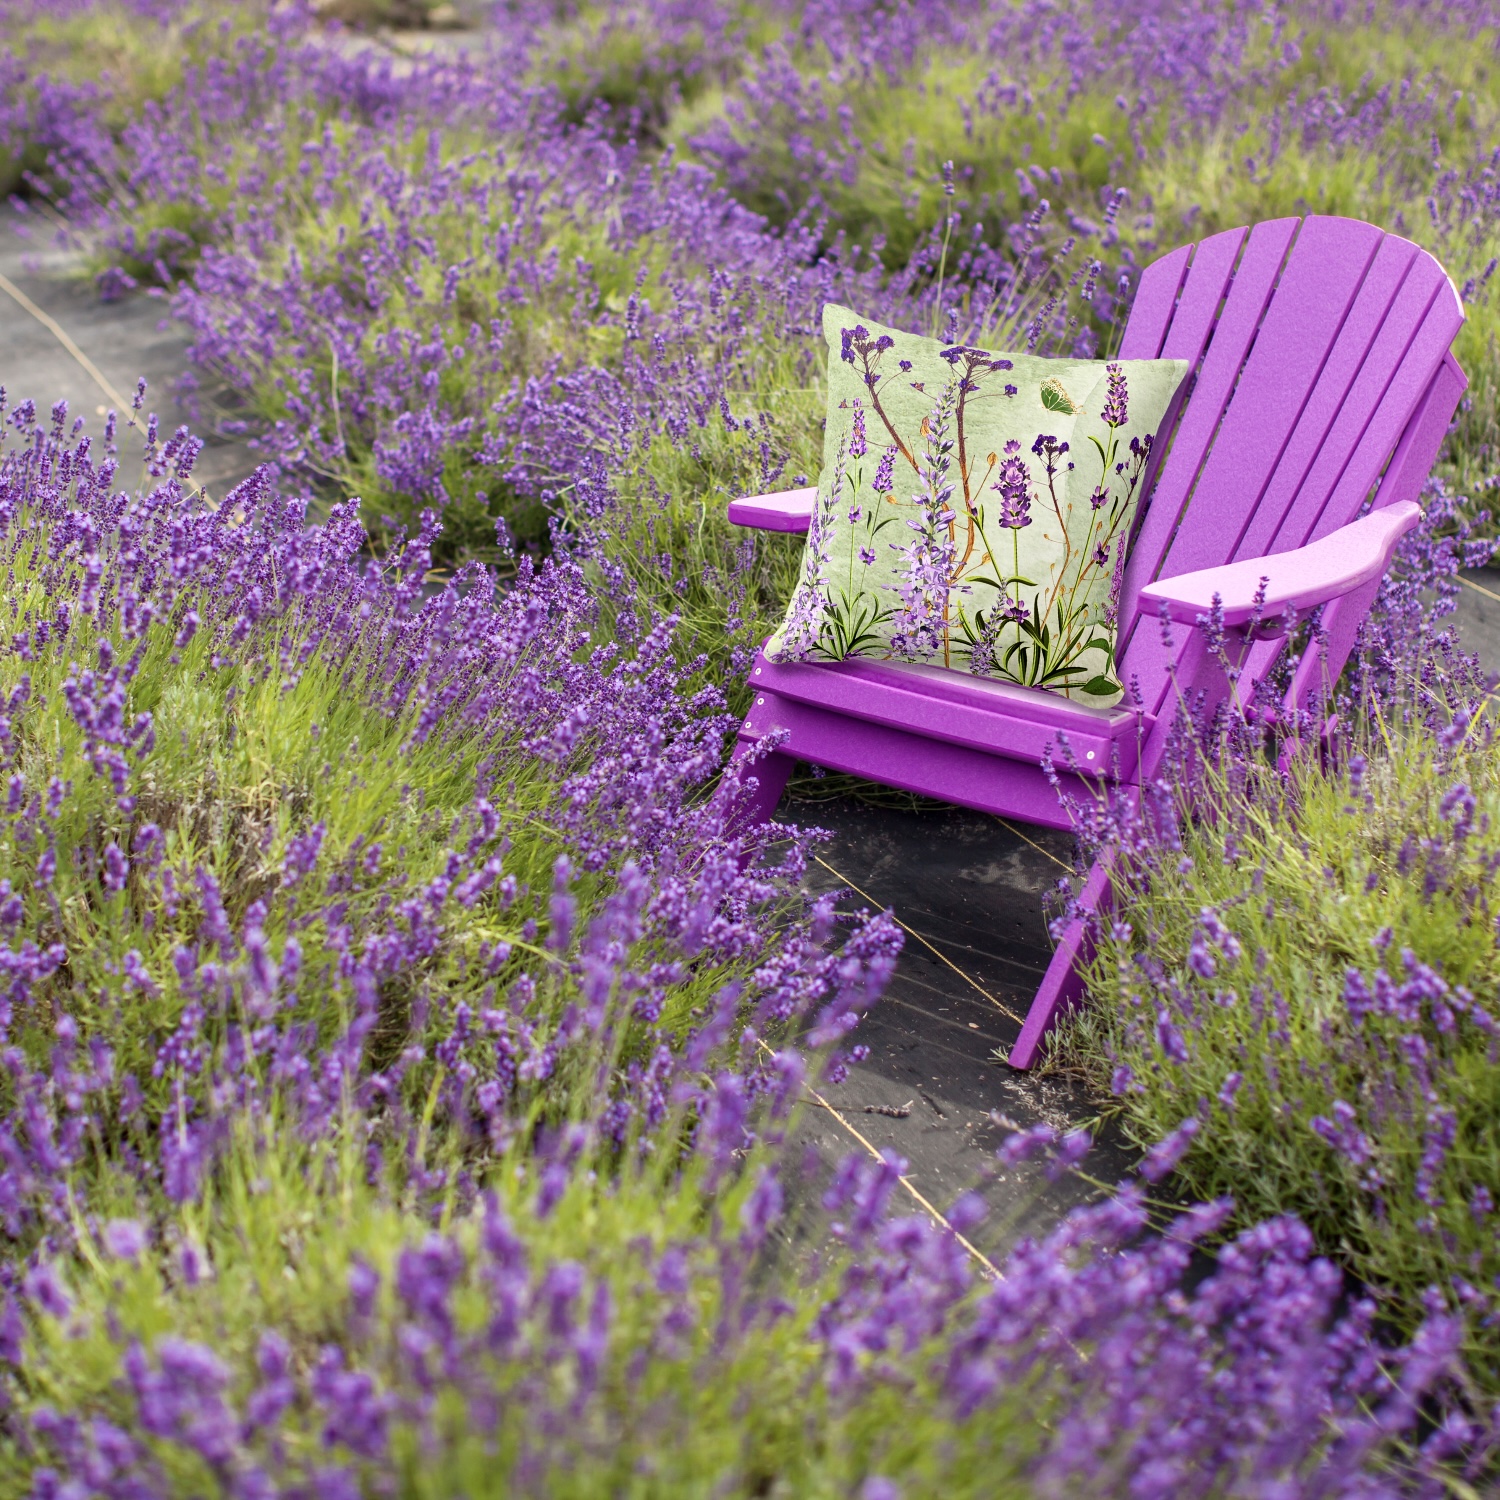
{"type": "Point", "coordinates": [1321, 377]}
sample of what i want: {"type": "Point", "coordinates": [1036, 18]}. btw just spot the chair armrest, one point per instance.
{"type": "Point", "coordinates": [791, 510]}
{"type": "Point", "coordinates": [1300, 579]}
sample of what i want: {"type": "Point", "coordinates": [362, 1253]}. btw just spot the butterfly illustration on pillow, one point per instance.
{"type": "Point", "coordinates": [1055, 398]}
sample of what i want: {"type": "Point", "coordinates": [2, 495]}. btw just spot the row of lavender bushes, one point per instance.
{"type": "Point", "coordinates": [398, 1048]}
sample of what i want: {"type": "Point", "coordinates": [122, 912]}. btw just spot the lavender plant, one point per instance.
{"type": "Point", "coordinates": [1303, 964]}
{"type": "Point", "coordinates": [560, 1340]}
{"type": "Point", "coordinates": [78, 73]}
{"type": "Point", "coordinates": [1339, 116]}
{"type": "Point", "coordinates": [1140, 130]}
{"type": "Point", "coordinates": [373, 361]}
{"type": "Point", "coordinates": [282, 827]}
{"type": "Point", "coordinates": [637, 66]}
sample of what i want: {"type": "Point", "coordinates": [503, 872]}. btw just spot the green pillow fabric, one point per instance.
{"type": "Point", "coordinates": [974, 508]}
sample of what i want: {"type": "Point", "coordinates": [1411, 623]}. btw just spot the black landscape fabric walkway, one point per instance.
{"type": "Point", "coordinates": [968, 889]}
{"type": "Point", "coordinates": [125, 340]}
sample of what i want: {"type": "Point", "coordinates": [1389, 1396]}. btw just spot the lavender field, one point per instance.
{"type": "Point", "coordinates": [403, 1043]}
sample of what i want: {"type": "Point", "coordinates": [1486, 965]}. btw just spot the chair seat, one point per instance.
{"type": "Point", "coordinates": [1001, 718]}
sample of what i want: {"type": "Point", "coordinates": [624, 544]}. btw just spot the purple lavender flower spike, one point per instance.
{"type": "Point", "coordinates": [1013, 484]}
{"type": "Point", "coordinates": [1164, 1157]}
{"type": "Point", "coordinates": [1116, 401]}
{"type": "Point", "coordinates": [124, 1239]}
{"type": "Point", "coordinates": [857, 444]}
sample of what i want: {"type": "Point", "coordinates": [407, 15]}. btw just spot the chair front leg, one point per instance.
{"type": "Point", "coordinates": [1317, 672]}
{"type": "Point", "coordinates": [764, 780]}
{"type": "Point", "coordinates": [1062, 987]}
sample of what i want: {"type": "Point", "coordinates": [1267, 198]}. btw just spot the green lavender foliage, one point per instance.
{"type": "Point", "coordinates": [1235, 984]}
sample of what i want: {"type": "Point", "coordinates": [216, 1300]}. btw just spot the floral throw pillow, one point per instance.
{"type": "Point", "coordinates": [974, 508]}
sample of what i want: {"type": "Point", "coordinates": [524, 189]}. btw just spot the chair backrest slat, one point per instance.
{"type": "Point", "coordinates": [1217, 376]}
{"type": "Point", "coordinates": [1415, 454]}
{"type": "Point", "coordinates": [1403, 479]}
{"type": "Point", "coordinates": [1154, 310]}
{"type": "Point", "coordinates": [1311, 302]}
{"type": "Point", "coordinates": [1359, 367]}
{"type": "Point", "coordinates": [1438, 315]}
{"type": "Point", "coordinates": [1315, 345]}
{"type": "Point", "coordinates": [1179, 296]}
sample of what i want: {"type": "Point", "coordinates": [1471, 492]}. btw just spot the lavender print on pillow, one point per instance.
{"type": "Point", "coordinates": [974, 508]}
